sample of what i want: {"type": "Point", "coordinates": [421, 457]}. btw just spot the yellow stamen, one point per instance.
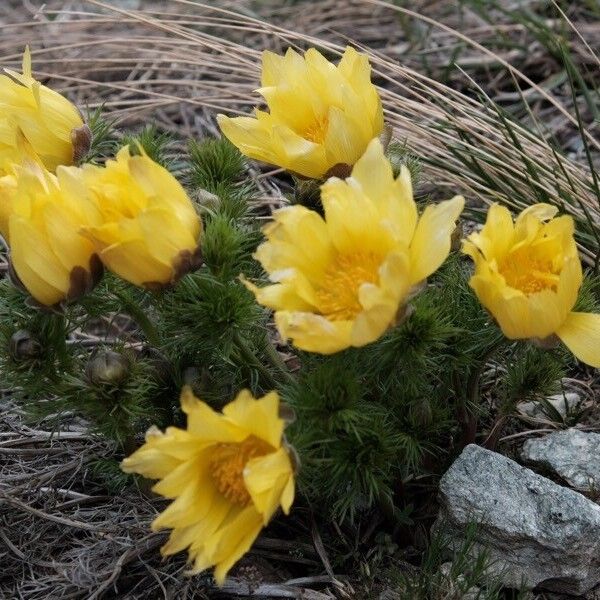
{"type": "Point", "coordinates": [317, 131]}
{"type": "Point", "coordinates": [338, 295]}
{"type": "Point", "coordinates": [528, 273]}
{"type": "Point", "coordinates": [228, 463]}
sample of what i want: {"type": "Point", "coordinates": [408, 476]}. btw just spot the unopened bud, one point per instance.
{"type": "Point", "coordinates": [24, 346]}
{"type": "Point", "coordinates": [208, 201]}
{"type": "Point", "coordinates": [107, 367]}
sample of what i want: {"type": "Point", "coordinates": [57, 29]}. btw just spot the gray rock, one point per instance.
{"type": "Point", "coordinates": [572, 454]}
{"type": "Point", "coordinates": [536, 532]}
{"type": "Point", "coordinates": [562, 403]}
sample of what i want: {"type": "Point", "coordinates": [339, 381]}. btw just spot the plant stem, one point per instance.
{"type": "Point", "coordinates": [469, 414]}
{"type": "Point", "coordinates": [136, 311]}
{"type": "Point", "coordinates": [253, 361]}
{"type": "Point", "coordinates": [277, 362]}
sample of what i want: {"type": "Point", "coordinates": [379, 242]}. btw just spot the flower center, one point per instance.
{"type": "Point", "coordinates": [528, 273]}
{"type": "Point", "coordinates": [317, 131]}
{"type": "Point", "coordinates": [227, 466]}
{"type": "Point", "coordinates": [338, 294]}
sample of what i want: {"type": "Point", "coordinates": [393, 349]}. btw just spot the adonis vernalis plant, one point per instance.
{"type": "Point", "coordinates": [389, 338]}
{"type": "Point", "coordinates": [528, 275]}
{"type": "Point", "coordinates": [321, 116]}
{"type": "Point", "coordinates": [343, 280]}
{"type": "Point", "coordinates": [227, 474]}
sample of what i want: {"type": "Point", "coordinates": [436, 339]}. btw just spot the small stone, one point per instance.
{"type": "Point", "coordinates": [574, 455]}
{"type": "Point", "coordinates": [562, 403]}
{"type": "Point", "coordinates": [535, 532]}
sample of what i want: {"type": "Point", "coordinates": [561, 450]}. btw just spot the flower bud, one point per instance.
{"type": "Point", "coordinates": [208, 201]}
{"type": "Point", "coordinates": [149, 229]}
{"type": "Point", "coordinates": [107, 367]}
{"type": "Point", "coordinates": [24, 346]}
{"type": "Point", "coordinates": [50, 124]}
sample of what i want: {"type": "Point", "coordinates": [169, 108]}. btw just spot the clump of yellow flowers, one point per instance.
{"type": "Point", "coordinates": [339, 279]}
{"type": "Point", "coordinates": [227, 475]}
{"type": "Point", "coordinates": [62, 223]}
{"type": "Point", "coordinates": [321, 116]}
{"type": "Point", "coordinates": [342, 280]}
{"type": "Point", "coordinates": [528, 275]}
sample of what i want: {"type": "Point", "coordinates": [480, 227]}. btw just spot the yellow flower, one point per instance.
{"type": "Point", "coordinates": [320, 115]}
{"type": "Point", "coordinates": [48, 121]}
{"type": "Point", "coordinates": [48, 255]}
{"type": "Point", "coordinates": [343, 280]}
{"type": "Point", "coordinates": [149, 229]}
{"type": "Point", "coordinates": [227, 475]}
{"type": "Point", "coordinates": [528, 275]}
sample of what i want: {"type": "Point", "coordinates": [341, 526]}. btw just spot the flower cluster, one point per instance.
{"type": "Point", "coordinates": [63, 222]}
{"type": "Point", "coordinates": [340, 275]}
{"type": "Point", "coordinates": [341, 279]}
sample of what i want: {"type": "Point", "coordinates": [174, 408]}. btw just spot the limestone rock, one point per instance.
{"type": "Point", "coordinates": [535, 531]}
{"type": "Point", "coordinates": [562, 403]}
{"type": "Point", "coordinates": [574, 455]}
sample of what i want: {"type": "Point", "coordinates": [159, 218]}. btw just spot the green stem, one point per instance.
{"type": "Point", "coordinates": [277, 362]}
{"type": "Point", "coordinates": [136, 311]}
{"type": "Point", "coordinates": [253, 361]}
{"type": "Point", "coordinates": [470, 420]}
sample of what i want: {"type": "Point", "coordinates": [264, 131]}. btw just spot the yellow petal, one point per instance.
{"type": "Point", "coordinates": [195, 534]}
{"type": "Point", "coordinates": [8, 188]}
{"type": "Point", "coordinates": [235, 539]}
{"type": "Point", "coordinates": [581, 334]}
{"type": "Point", "coordinates": [258, 417]}
{"type": "Point", "coordinates": [151, 460]}
{"type": "Point", "coordinates": [194, 466]}
{"type": "Point", "coordinates": [430, 245]}
{"type": "Point", "coordinates": [194, 493]}
{"type": "Point", "coordinates": [133, 262]}
{"type": "Point", "coordinates": [266, 478]}
{"type": "Point", "coordinates": [354, 222]}
{"type": "Point", "coordinates": [496, 237]}
{"type": "Point", "coordinates": [374, 173]}
{"type": "Point", "coordinates": [205, 423]}
{"type": "Point", "coordinates": [298, 154]}
{"type": "Point", "coordinates": [314, 333]}
{"type": "Point", "coordinates": [287, 245]}
{"type": "Point", "coordinates": [249, 136]}
{"type": "Point", "coordinates": [37, 267]}
{"type": "Point", "coordinates": [345, 140]}
{"type": "Point", "coordinates": [381, 303]}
